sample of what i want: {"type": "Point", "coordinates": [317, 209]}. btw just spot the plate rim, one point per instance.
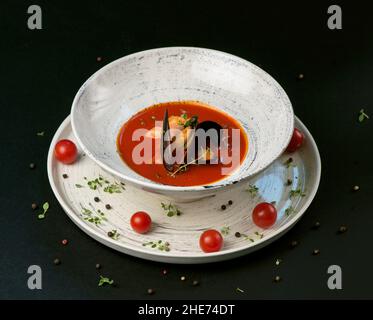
{"type": "Point", "coordinates": [185, 258]}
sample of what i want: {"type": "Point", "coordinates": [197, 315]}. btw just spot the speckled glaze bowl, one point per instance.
{"type": "Point", "coordinates": [124, 87]}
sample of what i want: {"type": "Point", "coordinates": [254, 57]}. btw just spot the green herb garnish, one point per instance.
{"type": "Point", "coordinates": [184, 116]}
{"type": "Point", "coordinates": [252, 189]}
{"type": "Point", "coordinates": [240, 290]}
{"type": "Point", "coordinates": [362, 115]}
{"type": "Point", "coordinates": [114, 234]}
{"type": "Point", "coordinates": [184, 167]}
{"type": "Point", "coordinates": [247, 237]}
{"type": "Point", "coordinates": [113, 188]}
{"type": "Point", "coordinates": [260, 235]}
{"type": "Point", "coordinates": [160, 245]}
{"type": "Point", "coordinates": [289, 211]}
{"type": "Point", "coordinates": [94, 184]}
{"type": "Point", "coordinates": [105, 280]}
{"type": "Point", "coordinates": [93, 216]}
{"type": "Point", "coordinates": [79, 185]}
{"type": "Point", "coordinates": [170, 209]}
{"type": "Point", "coordinates": [45, 209]}
{"type": "Point", "coordinates": [225, 230]}
{"type": "Point", "coordinates": [97, 183]}
{"type": "Point", "coordinates": [288, 163]}
{"type": "Point", "coordinates": [297, 192]}
{"type": "Point", "coordinates": [86, 211]}
{"type": "Point", "coordinates": [191, 122]}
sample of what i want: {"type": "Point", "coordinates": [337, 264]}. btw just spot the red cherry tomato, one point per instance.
{"type": "Point", "coordinates": [211, 241]}
{"type": "Point", "coordinates": [141, 222]}
{"type": "Point", "coordinates": [264, 215]}
{"type": "Point", "coordinates": [296, 141]}
{"type": "Point", "coordinates": [66, 151]}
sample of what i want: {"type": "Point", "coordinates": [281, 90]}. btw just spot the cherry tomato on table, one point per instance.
{"type": "Point", "coordinates": [296, 141]}
{"type": "Point", "coordinates": [66, 151]}
{"type": "Point", "coordinates": [141, 222]}
{"type": "Point", "coordinates": [264, 215]}
{"type": "Point", "coordinates": [211, 241]}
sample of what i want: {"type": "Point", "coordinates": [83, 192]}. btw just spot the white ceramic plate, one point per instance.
{"type": "Point", "coordinates": [182, 232]}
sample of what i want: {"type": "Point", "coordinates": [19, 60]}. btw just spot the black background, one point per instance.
{"type": "Point", "coordinates": [41, 70]}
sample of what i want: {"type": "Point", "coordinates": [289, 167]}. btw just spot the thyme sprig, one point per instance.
{"type": "Point", "coordinates": [362, 115]}
{"type": "Point", "coordinates": [101, 182]}
{"type": "Point", "coordinates": [290, 210]}
{"type": "Point", "coordinates": [260, 235]}
{"type": "Point", "coordinates": [251, 238]}
{"type": "Point", "coordinates": [170, 209]}
{"type": "Point", "coordinates": [160, 245]}
{"type": "Point", "coordinates": [191, 122]}
{"type": "Point", "coordinates": [184, 166]}
{"type": "Point", "coordinates": [296, 192]}
{"type": "Point", "coordinates": [93, 216]}
{"type": "Point", "coordinates": [94, 184]}
{"type": "Point", "coordinates": [252, 190]}
{"type": "Point", "coordinates": [45, 209]}
{"type": "Point", "coordinates": [225, 230]}
{"type": "Point", "coordinates": [114, 188]}
{"type": "Point", "coordinates": [114, 234]}
{"type": "Point", "coordinates": [105, 280]}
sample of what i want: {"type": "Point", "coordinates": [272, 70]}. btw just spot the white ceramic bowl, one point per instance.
{"type": "Point", "coordinates": [124, 87]}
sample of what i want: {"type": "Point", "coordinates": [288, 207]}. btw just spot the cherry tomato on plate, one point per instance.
{"type": "Point", "coordinates": [211, 241]}
{"type": "Point", "coordinates": [264, 215]}
{"type": "Point", "coordinates": [66, 151]}
{"type": "Point", "coordinates": [141, 222]}
{"type": "Point", "coordinates": [296, 141]}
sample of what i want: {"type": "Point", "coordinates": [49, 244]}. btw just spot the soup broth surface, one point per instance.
{"type": "Point", "coordinates": [193, 175]}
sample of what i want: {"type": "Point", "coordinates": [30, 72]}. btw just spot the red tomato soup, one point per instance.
{"type": "Point", "coordinates": [180, 114]}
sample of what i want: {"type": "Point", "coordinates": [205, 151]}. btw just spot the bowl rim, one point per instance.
{"type": "Point", "coordinates": [162, 187]}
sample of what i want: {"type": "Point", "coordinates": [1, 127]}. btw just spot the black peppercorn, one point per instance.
{"type": "Point", "coordinates": [315, 252]}
{"type": "Point", "coordinates": [293, 244]}
{"type": "Point", "coordinates": [223, 207]}
{"type": "Point", "coordinates": [230, 202]}
{"type": "Point", "coordinates": [237, 234]}
{"type": "Point", "coordinates": [108, 206]}
{"type": "Point", "coordinates": [342, 229]}
{"type": "Point", "coordinates": [97, 199]}
{"type": "Point", "coordinates": [316, 225]}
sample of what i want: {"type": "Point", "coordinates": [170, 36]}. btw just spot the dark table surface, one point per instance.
{"type": "Point", "coordinates": [41, 71]}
